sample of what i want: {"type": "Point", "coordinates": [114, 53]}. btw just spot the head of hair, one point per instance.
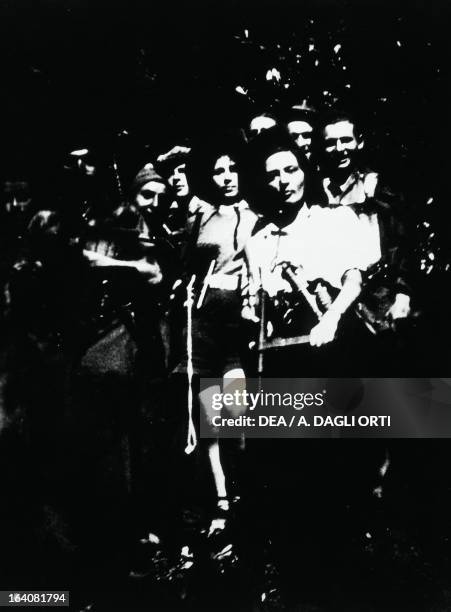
{"type": "Point", "coordinates": [333, 116]}
{"type": "Point", "coordinates": [263, 113]}
{"type": "Point", "coordinates": [167, 162]}
{"type": "Point", "coordinates": [300, 112]}
{"type": "Point", "coordinates": [274, 140]}
{"type": "Point", "coordinates": [205, 154]}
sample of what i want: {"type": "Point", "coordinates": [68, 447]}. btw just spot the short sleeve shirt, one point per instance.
{"type": "Point", "coordinates": [324, 242]}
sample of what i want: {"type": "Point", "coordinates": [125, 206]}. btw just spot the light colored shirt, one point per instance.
{"type": "Point", "coordinates": [323, 242]}
{"type": "Point", "coordinates": [356, 190]}
{"type": "Point", "coordinates": [226, 230]}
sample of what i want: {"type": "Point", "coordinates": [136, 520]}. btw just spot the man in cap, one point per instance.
{"type": "Point", "coordinates": [147, 187]}
{"type": "Point", "coordinates": [137, 217]}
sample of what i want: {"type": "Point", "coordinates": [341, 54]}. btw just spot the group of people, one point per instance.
{"type": "Point", "coordinates": [270, 250]}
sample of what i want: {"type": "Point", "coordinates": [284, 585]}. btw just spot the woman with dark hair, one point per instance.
{"type": "Point", "coordinates": [305, 265]}
{"type": "Point", "coordinates": [307, 258]}
{"type": "Point", "coordinates": [219, 229]}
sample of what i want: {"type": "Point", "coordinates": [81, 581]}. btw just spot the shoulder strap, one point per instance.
{"type": "Point", "coordinates": [194, 235]}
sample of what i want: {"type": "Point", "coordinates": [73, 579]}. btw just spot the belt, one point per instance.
{"type": "Point", "coordinates": [224, 281]}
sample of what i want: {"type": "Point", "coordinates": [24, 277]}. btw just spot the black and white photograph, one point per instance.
{"type": "Point", "coordinates": [225, 270]}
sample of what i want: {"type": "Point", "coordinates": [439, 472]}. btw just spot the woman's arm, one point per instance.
{"type": "Point", "coordinates": [326, 329]}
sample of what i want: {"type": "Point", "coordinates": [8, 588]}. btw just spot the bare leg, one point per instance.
{"type": "Point", "coordinates": [232, 379]}
{"type": "Point", "coordinates": [205, 399]}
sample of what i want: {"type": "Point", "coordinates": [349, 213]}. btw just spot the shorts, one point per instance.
{"type": "Point", "coordinates": [217, 336]}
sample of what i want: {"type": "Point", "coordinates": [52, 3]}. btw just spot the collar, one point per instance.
{"type": "Point", "coordinates": [231, 209]}
{"type": "Point", "coordinates": [357, 188]}
{"type": "Point", "coordinates": [271, 227]}
{"type": "Point", "coordinates": [339, 191]}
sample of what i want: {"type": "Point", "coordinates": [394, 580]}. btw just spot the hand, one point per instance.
{"type": "Point", "coordinates": [174, 151]}
{"type": "Point", "coordinates": [400, 309]}
{"type": "Point", "coordinates": [249, 309]}
{"type": "Point", "coordinates": [324, 331]}
{"type": "Point", "coordinates": [248, 314]}
{"type": "Point", "coordinates": [269, 329]}
{"type": "Point", "coordinates": [150, 271]}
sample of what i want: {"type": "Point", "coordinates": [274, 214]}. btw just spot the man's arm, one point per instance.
{"type": "Point", "coordinates": [398, 231]}
{"type": "Point", "coordinates": [151, 271]}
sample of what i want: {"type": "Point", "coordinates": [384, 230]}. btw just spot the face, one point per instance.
{"type": "Point", "coordinates": [258, 124]}
{"type": "Point", "coordinates": [147, 196]}
{"type": "Point", "coordinates": [178, 181]}
{"type": "Point", "coordinates": [225, 177]}
{"type": "Point", "coordinates": [301, 132]}
{"type": "Point", "coordinates": [284, 174]}
{"type": "Point", "coordinates": [341, 145]}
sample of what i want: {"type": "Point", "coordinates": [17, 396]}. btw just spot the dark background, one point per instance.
{"type": "Point", "coordinates": [74, 70]}
{"type": "Point", "coordinates": [76, 73]}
